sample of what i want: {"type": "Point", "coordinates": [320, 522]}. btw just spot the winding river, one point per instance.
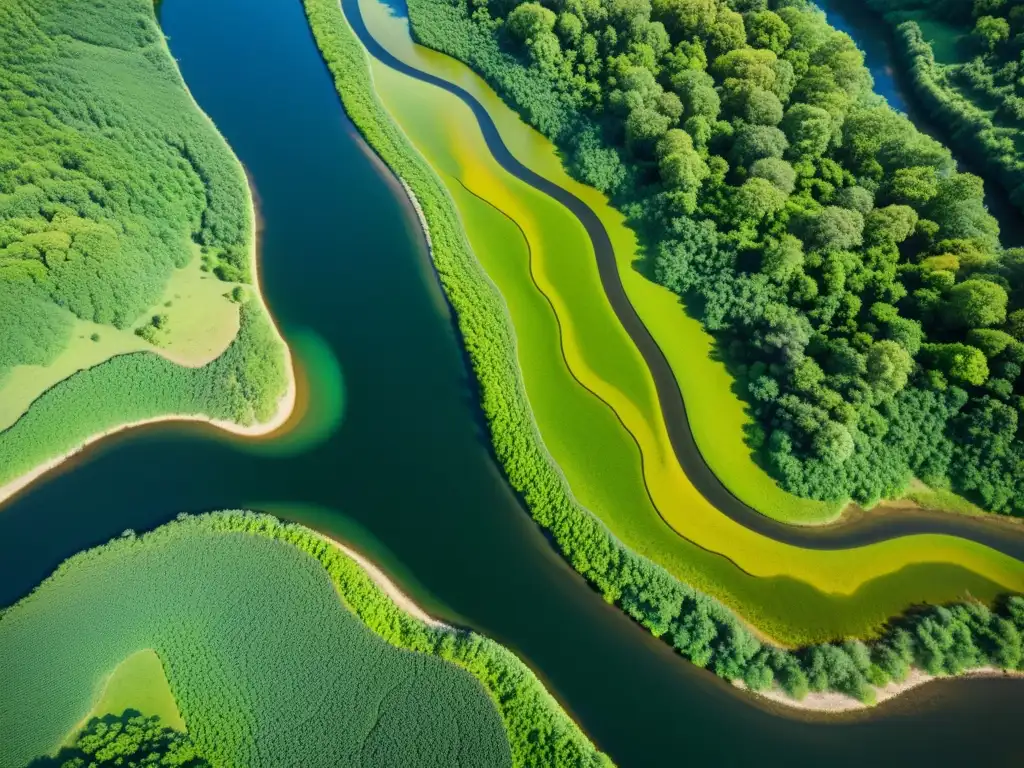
{"type": "Point", "coordinates": [406, 474]}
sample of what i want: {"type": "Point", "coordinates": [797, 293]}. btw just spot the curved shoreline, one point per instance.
{"type": "Point", "coordinates": [839, 703]}
{"type": "Point", "coordinates": [860, 530]}
{"type": "Point", "coordinates": [285, 404]}
{"type": "Point", "coordinates": [387, 586]}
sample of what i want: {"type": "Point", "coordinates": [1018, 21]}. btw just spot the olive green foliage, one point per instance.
{"type": "Point", "coordinates": [268, 667]}
{"type": "Point", "coordinates": [699, 627]}
{"type": "Point", "coordinates": [241, 386]}
{"type": "Point", "coordinates": [843, 264]}
{"type": "Point", "coordinates": [129, 740]}
{"type": "Point", "coordinates": [968, 74]}
{"type": "Point", "coordinates": [108, 172]}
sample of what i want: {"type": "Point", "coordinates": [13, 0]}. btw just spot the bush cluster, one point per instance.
{"type": "Point", "coordinates": [945, 639]}
{"type": "Point", "coordinates": [126, 740]}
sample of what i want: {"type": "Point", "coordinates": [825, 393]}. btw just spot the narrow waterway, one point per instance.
{"type": "Point", "coordinates": [407, 475]}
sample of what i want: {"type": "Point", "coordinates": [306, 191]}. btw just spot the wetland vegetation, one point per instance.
{"type": "Point", "coordinates": [881, 370]}
{"type": "Point", "coordinates": [698, 626]}
{"type": "Point", "coordinates": [963, 62]}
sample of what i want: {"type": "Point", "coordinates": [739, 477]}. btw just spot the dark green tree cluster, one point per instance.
{"type": "Point", "coordinates": [977, 91]}
{"type": "Point", "coordinates": [851, 275]}
{"type": "Point", "coordinates": [108, 173]}
{"type": "Point", "coordinates": [129, 740]}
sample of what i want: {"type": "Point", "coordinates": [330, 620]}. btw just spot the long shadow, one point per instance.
{"type": "Point", "coordinates": [856, 533]}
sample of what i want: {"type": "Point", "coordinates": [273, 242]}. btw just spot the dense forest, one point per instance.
{"type": "Point", "coordinates": [128, 740]}
{"type": "Point", "coordinates": [108, 173]}
{"type": "Point", "coordinates": [852, 277]}
{"type": "Point", "coordinates": [279, 650]}
{"type": "Point", "coordinates": [964, 61]}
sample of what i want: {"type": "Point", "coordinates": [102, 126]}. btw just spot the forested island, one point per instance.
{"type": "Point", "coordinates": [127, 241]}
{"type": "Point", "coordinates": [852, 276]}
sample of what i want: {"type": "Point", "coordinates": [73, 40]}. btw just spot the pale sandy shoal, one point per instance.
{"type": "Point", "coordinates": [382, 580]}
{"type": "Point", "coordinates": [832, 702]}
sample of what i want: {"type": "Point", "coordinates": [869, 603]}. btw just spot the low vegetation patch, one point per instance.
{"type": "Point", "coordinates": [267, 665]}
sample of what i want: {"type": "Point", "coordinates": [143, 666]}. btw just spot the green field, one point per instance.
{"type": "Point", "coordinates": [139, 683]}
{"type": "Point", "coordinates": [126, 234]}
{"type": "Point", "coordinates": [267, 665]}
{"type": "Point", "coordinates": [593, 398]}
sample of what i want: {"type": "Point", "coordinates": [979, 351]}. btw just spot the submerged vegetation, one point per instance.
{"type": "Point", "coordinates": [942, 640]}
{"type": "Point", "coordinates": [850, 273]}
{"type": "Point", "coordinates": [111, 182]}
{"type": "Point", "coordinates": [265, 662]}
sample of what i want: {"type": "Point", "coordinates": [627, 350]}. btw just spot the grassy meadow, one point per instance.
{"type": "Point", "coordinates": [278, 650]}
{"type": "Point", "coordinates": [589, 387]}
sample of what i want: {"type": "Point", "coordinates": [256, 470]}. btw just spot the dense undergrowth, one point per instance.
{"type": "Point", "coordinates": [126, 740]}
{"type": "Point", "coordinates": [942, 640]}
{"type": "Point", "coordinates": [967, 73]}
{"type": "Point", "coordinates": [266, 665]}
{"type": "Point", "coordinates": [852, 277]}
{"type": "Point", "coordinates": [108, 173]}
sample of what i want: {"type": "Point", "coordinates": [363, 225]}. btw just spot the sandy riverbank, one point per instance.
{"type": "Point", "coordinates": [381, 579]}
{"type": "Point", "coordinates": [832, 702]}
{"type": "Point", "coordinates": [284, 409]}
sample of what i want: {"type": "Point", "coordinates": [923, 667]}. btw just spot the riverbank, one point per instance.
{"type": "Point", "coordinates": [285, 404]}
{"type": "Point", "coordinates": [286, 401]}
{"type": "Point", "coordinates": [387, 586]}
{"type": "Point", "coordinates": [830, 702]}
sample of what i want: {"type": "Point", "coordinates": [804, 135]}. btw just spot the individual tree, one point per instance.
{"type": "Point", "coordinates": [766, 29]}
{"type": "Point", "coordinates": [991, 31]}
{"type": "Point", "coordinates": [833, 229]}
{"type": "Point", "coordinates": [976, 304]}
{"type": "Point", "coordinates": [887, 366]}
{"type": "Point", "coordinates": [530, 20]}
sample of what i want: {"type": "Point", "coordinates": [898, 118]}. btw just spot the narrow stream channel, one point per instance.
{"type": "Point", "coordinates": [407, 476]}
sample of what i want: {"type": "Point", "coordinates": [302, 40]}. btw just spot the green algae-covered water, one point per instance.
{"type": "Point", "coordinates": [393, 455]}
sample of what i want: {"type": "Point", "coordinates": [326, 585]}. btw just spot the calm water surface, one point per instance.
{"type": "Point", "coordinates": [407, 475]}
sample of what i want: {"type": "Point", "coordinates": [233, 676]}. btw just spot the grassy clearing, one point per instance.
{"type": "Point", "coordinates": [267, 665]}
{"type": "Point", "coordinates": [199, 321]}
{"type": "Point", "coordinates": [553, 295]}
{"type": "Point", "coordinates": [138, 683]}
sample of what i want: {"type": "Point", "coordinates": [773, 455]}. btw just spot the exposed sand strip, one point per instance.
{"type": "Point", "coordinates": [839, 702]}
{"type": "Point", "coordinates": [381, 579]}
